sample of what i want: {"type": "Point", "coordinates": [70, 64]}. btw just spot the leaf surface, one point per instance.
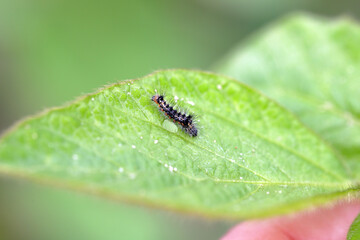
{"type": "Point", "coordinates": [251, 157]}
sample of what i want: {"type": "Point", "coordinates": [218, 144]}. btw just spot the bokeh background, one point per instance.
{"type": "Point", "coordinates": [54, 51]}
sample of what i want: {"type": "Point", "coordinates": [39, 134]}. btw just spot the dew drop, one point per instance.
{"type": "Point", "coordinates": [121, 170]}
{"type": "Point", "coordinates": [129, 93]}
{"type": "Point", "coordinates": [119, 144]}
{"type": "Point", "coordinates": [176, 98]}
{"type": "Point", "coordinates": [219, 87]}
{"type": "Point", "coordinates": [171, 169]}
{"type": "Point", "coordinates": [241, 178]}
{"type": "Point", "coordinates": [166, 165]}
{"type": "Point", "coordinates": [92, 99]}
{"type": "Point", "coordinates": [75, 157]}
{"type": "Point", "coordinates": [191, 103]}
{"type": "Point", "coordinates": [280, 191]}
{"type": "Point", "coordinates": [327, 106]}
{"type": "Point", "coordinates": [267, 192]}
{"type": "Point", "coordinates": [349, 119]}
{"type": "Point", "coordinates": [34, 135]}
{"type": "Point", "coordinates": [350, 69]}
{"type": "Point", "coordinates": [132, 175]}
{"type": "Point", "coordinates": [175, 169]}
{"type": "Point", "coordinates": [156, 141]}
{"type": "Point", "coordinates": [214, 141]}
{"type": "Point", "coordinates": [141, 137]}
{"type": "Point", "coordinates": [133, 146]}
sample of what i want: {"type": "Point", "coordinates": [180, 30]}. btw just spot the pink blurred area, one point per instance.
{"type": "Point", "coordinates": [326, 223]}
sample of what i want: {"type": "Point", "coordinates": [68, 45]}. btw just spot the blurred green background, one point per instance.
{"type": "Point", "coordinates": [53, 51]}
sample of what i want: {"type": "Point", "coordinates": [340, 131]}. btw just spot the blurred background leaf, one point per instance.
{"type": "Point", "coordinates": [310, 66]}
{"type": "Point", "coordinates": [52, 51]}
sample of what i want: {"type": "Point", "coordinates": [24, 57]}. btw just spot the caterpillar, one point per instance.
{"type": "Point", "coordinates": [185, 121]}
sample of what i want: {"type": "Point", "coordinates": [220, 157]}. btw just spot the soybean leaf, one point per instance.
{"type": "Point", "coordinates": [251, 157]}
{"type": "Point", "coordinates": [310, 66]}
{"type": "Point", "coordinates": [354, 231]}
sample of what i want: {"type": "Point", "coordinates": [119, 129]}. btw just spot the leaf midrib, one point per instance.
{"type": "Point", "coordinates": [267, 182]}
{"type": "Point", "coordinates": [263, 183]}
{"type": "Point", "coordinates": [255, 134]}
{"type": "Point", "coordinates": [278, 145]}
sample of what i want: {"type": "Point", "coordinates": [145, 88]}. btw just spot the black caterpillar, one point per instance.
{"type": "Point", "coordinates": [185, 121]}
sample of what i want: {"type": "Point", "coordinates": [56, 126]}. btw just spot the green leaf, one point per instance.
{"type": "Point", "coordinates": [251, 157]}
{"type": "Point", "coordinates": [310, 66]}
{"type": "Point", "coordinates": [354, 231]}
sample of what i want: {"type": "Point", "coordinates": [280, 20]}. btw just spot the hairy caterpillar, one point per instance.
{"type": "Point", "coordinates": [185, 121]}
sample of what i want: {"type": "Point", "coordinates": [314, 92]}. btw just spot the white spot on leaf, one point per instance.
{"type": "Point", "coordinates": [34, 135]}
